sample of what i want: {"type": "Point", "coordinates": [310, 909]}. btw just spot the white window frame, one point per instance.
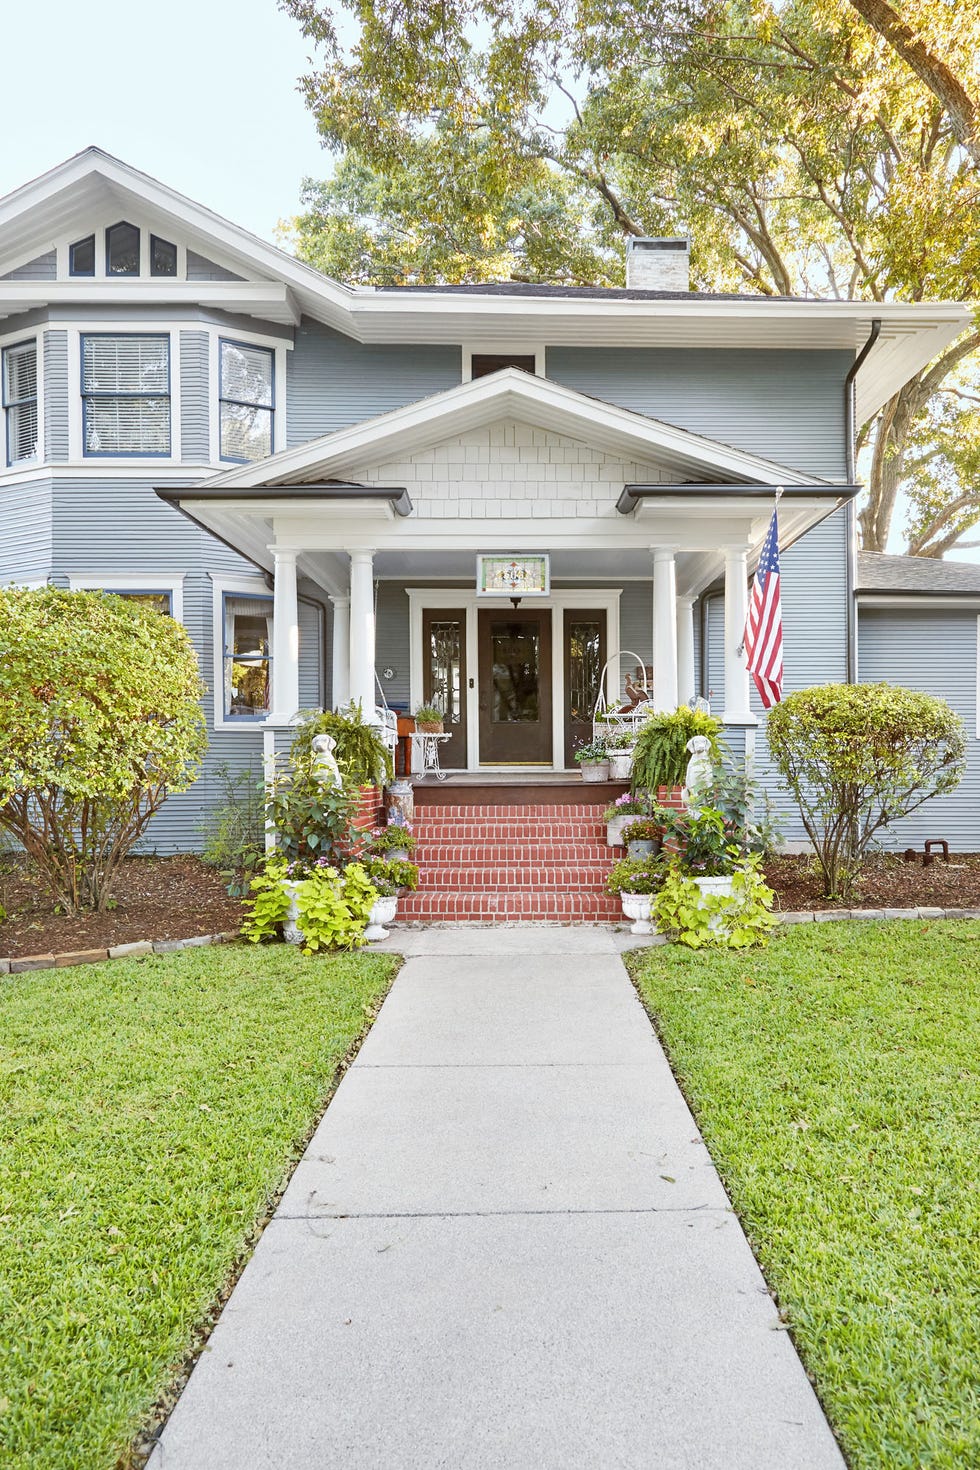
{"type": "Point", "coordinates": [63, 249]}
{"type": "Point", "coordinates": [279, 349]}
{"type": "Point", "coordinates": [222, 587]}
{"type": "Point", "coordinates": [30, 459]}
{"type": "Point", "coordinates": [136, 582]}
{"type": "Point", "coordinates": [131, 327]}
{"type": "Point", "coordinates": [507, 349]}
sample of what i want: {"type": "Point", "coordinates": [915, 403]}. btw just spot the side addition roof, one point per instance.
{"type": "Point", "coordinates": [915, 576]}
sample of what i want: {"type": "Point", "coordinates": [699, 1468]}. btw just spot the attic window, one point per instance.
{"type": "Point", "coordinates": [483, 363]}
{"type": "Point", "coordinates": [163, 257]}
{"type": "Point", "coordinates": [81, 257]}
{"type": "Point", "coordinates": [122, 250]}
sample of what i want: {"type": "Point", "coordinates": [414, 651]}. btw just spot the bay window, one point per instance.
{"type": "Point", "coordinates": [246, 401]}
{"type": "Point", "coordinates": [20, 400]}
{"type": "Point", "coordinates": [125, 394]}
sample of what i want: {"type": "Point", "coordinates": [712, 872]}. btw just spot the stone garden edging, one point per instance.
{"type": "Point", "coordinates": [135, 950]}
{"type": "Point", "coordinates": [806, 916]}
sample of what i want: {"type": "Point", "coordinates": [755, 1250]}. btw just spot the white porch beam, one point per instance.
{"type": "Point", "coordinates": [664, 630]}
{"type": "Point", "coordinates": [737, 710]}
{"type": "Point", "coordinates": [285, 637]}
{"type": "Point", "coordinates": [362, 630]}
{"type": "Point", "coordinates": [687, 678]}
{"type": "Point", "coordinates": [340, 680]}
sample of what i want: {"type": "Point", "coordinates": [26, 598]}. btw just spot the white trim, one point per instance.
{"type": "Point", "coordinates": [136, 582]}
{"type": "Point", "coordinates": [978, 679]}
{"type": "Point", "coordinates": [605, 599]}
{"type": "Point", "coordinates": [920, 602]}
{"type": "Point", "coordinates": [243, 587]}
{"type": "Point", "coordinates": [501, 349]}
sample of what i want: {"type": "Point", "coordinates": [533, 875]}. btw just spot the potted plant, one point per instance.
{"type": "Point", "coordinates": [620, 743]}
{"type": "Point", "coordinates": [643, 837]}
{"type": "Point", "coordinates": [388, 876]}
{"type": "Point", "coordinates": [360, 752]}
{"type": "Point", "coordinates": [660, 756]}
{"type": "Point", "coordinates": [428, 720]}
{"type": "Point", "coordinates": [708, 850]}
{"type": "Point", "coordinates": [394, 841]}
{"type": "Point", "coordinates": [623, 811]}
{"type": "Point", "coordinates": [315, 903]}
{"type": "Point", "coordinates": [592, 761]}
{"type": "Point", "coordinates": [637, 881]}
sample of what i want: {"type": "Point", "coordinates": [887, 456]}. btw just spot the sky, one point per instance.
{"type": "Point", "coordinates": [199, 93]}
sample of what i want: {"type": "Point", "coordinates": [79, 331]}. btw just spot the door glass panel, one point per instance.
{"type": "Point", "coordinates": [445, 668]}
{"type": "Point", "coordinates": [515, 657]}
{"type": "Point", "coordinates": [584, 668]}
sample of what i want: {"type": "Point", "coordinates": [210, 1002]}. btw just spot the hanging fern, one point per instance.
{"type": "Point", "coordinates": [661, 756]}
{"type": "Point", "coordinates": [361, 754]}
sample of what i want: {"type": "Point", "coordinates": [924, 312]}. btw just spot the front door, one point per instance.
{"type": "Point", "coordinates": [515, 687]}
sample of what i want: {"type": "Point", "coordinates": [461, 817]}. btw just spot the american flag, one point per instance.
{"type": "Point", "coordinates": [763, 638]}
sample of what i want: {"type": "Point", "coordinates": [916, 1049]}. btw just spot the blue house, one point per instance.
{"type": "Point", "coordinates": [306, 475]}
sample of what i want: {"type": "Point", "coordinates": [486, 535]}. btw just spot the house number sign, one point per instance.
{"type": "Point", "coordinates": [513, 576]}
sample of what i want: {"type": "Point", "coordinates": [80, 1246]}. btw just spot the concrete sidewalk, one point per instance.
{"type": "Point", "coordinates": [506, 1246]}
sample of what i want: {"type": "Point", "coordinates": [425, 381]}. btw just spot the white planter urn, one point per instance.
{"type": "Point", "coordinates": [292, 933]}
{"type": "Point", "coordinates": [637, 906]}
{"type": "Point", "coordinates": [614, 830]}
{"type": "Point", "coordinates": [382, 913]}
{"type": "Point", "coordinates": [595, 770]}
{"type": "Point", "coordinates": [620, 765]}
{"type": "Point", "coordinates": [719, 887]}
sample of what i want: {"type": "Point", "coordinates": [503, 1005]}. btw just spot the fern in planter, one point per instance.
{"type": "Point", "coordinates": [660, 757]}
{"type": "Point", "coordinates": [361, 754]}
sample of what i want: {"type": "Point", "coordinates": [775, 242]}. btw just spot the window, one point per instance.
{"type": "Point", "coordinates": [157, 601]}
{"type": "Point", "coordinates": [163, 257]}
{"type": "Point", "coordinates": [20, 400]}
{"type": "Point", "coordinates": [126, 394]}
{"type": "Point", "coordinates": [162, 594]}
{"type": "Point", "coordinates": [246, 401]}
{"type": "Point", "coordinates": [81, 257]}
{"type": "Point", "coordinates": [247, 656]}
{"type": "Point", "coordinates": [122, 250]}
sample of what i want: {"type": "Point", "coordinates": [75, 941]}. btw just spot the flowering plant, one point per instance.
{"type": "Point", "coordinates": [628, 805]}
{"type": "Point", "coordinates": [392, 837]}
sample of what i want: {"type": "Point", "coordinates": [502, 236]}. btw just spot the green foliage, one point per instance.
{"type": "Point", "coordinates": [269, 904]}
{"type": "Point", "coordinates": [333, 906]}
{"type": "Point", "coordinates": [234, 829]}
{"type": "Point", "coordinates": [697, 919]}
{"type": "Point", "coordinates": [749, 814]}
{"type": "Point", "coordinates": [661, 757]}
{"type": "Point", "coordinates": [361, 755]}
{"type": "Point", "coordinates": [834, 1078]}
{"type": "Point", "coordinates": [707, 842]}
{"type": "Point", "coordinates": [592, 752]}
{"type": "Point", "coordinates": [391, 875]}
{"type": "Point", "coordinates": [636, 875]}
{"type": "Point", "coordinates": [645, 829]}
{"type": "Point", "coordinates": [150, 1111]}
{"type": "Point", "coordinates": [311, 820]}
{"type": "Point", "coordinates": [392, 838]}
{"type": "Point", "coordinates": [101, 719]}
{"type": "Point", "coordinates": [857, 757]}
{"type": "Point", "coordinates": [428, 714]}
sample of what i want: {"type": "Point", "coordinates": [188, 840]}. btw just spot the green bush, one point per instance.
{"type": "Point", "coordinates": [101, 720]}
{"type": "Point", "coordinates": [857, 757]}
{"type": "Point", "coordinates": [332, 904]}
{"type": "Point", "coordinates": [660, 757]}
{"type": "Point", "coordinates": [361, 755]}
{"type": "Point", "coordinates": [234, 829]}
{"type": "Point", "coordinates": [696, 919]}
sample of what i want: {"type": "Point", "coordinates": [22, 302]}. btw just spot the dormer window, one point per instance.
{"type": "Point", "coordinates": [81, 257]}
{"type": "Point", "coordinates": [122, 250]}
{"type": "Point", "coordinates": [163, 257]}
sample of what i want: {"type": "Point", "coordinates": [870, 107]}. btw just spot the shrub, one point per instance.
{"type": "Point", "coordinates": [857, 757]}
{"type": "Point", "coordinates": [332, 904]}
{"type": "Point", "coordinates": [661, 756]}
{"type": "Point", "coordinates": [234, 829]}
{"type": "Point", "coordinates": [361, 755]}
{"type": "Point", "coordinates": [312, 821]}
{"type": "Point", "coordinates": [734, 921]}
{"type": "Point", "coordinates": [101, 719]}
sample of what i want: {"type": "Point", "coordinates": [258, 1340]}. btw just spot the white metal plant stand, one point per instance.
{"type": "Point", "coordinates": [425, 753]}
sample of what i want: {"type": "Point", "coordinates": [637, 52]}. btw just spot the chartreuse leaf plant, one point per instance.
{"type": "Point", "coordinates": [696, 919]}
{"type": "Point", "coordinates": [333, 904]}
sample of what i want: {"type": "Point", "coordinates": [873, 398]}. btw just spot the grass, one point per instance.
{"type": "Point", "coordinates": [149, 1112]}
{"type": "Point", "coordinates": [836, 1077]}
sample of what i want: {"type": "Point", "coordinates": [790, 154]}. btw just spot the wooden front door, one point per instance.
{"type": "Point", "coordinates": [515, 687]}
{"type": "Point", "coordinates": [444, 677]}
{"type": "Point", "coordinates": [585, 655]}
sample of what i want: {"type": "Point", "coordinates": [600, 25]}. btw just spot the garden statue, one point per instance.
{"type": "Point", "coordinates": [326, 772]}
{"type": "Point", "coordinates": [700, 774]}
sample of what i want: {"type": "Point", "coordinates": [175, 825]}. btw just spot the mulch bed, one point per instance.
{"type": "Point", "coordinates": [156, 898]}
{"type": "Point", "coordinates": [885, 882]}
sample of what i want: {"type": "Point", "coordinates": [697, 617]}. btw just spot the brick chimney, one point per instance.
{"type": "Point", "coordinates": [658, 265]}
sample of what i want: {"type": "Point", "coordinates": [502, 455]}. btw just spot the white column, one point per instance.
{"type": "Point", "coordinates": [737, 711]}
{"type": "Point", "coordinates": [340, 682]}
{"type": "Point", "coordinates": [362, 686]}
{"type": "Point", "coordinates": [285, 637]}
{"type": "Point", "coordinates": [687, 676]}
{"type": "Point", "coordinates": [664, 631]}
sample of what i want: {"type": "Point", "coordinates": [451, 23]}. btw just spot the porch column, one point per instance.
{"type": "Point", "coordinates": [285, 637]}
{"type": "Point", "coordinates": [687, 676]}
{"type": "Point", "coordinates": [737, 710]}
{"type": "Point", "coordinates": [664, 631]}
{"type": "Point", "coordinates": [340, 682]}
{"type": "Point", "coordinates": [362, 686]}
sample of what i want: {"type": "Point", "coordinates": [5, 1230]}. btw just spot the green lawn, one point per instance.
{"type": "Point", "coordinates": [149, 1111]}
{"type": "Point", "coordinates": [836, 1077]}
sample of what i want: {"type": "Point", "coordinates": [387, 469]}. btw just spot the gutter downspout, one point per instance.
{"type": "Point", "coordinates": [849, 450]}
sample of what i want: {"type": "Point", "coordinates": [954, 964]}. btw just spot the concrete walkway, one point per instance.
{"type": "Point", "coordinates": [506, 1246]}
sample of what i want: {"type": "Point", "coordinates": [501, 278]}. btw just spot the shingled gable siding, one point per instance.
{"type": "Point", "coordinates": [43, 268]}
{"type": "Point", "coordinates": [784, 405]}
{"type": "Point", "coordinates": [814, 598]}
{"type": "Point", "coordinates": [936, 652]}
{"type": "Point", "coordinates": [334, 381]}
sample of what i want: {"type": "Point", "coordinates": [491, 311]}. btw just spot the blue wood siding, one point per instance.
{"type": "Point", "coordinates": [334, 381]}
{"type": "Point", "coordinates": [935, 652]}
{"type": "Point", "coordinates": [199, 268]}
{"type": "Point", "coordinates": [42, 268]}
{"type": "Point", "coordinates": [25, 531]}
{"type": "Point", "coordinates": [784, 405]}
{"type": "Point", "coordinates": [195, 447]}
{"type": "Point", "coordinates": [57, 397]}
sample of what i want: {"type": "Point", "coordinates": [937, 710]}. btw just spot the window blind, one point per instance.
{"type": "Point", "coordinates": [126, 388]}
{"type": "Point", "coordinates": [20, 400]}
{"type": "Point", "coordinates": [126, 364]}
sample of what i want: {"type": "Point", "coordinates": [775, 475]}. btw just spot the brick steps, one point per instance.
{"type": "Point", "coordinates": [503, 863]}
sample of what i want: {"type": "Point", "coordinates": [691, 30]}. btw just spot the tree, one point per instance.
{"type": "Point", "coordinates": [857, 757]}
{"type": "Point", "coordinates": [527, 141]}
{"type": "Point", "coordinates": [101, 719]}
